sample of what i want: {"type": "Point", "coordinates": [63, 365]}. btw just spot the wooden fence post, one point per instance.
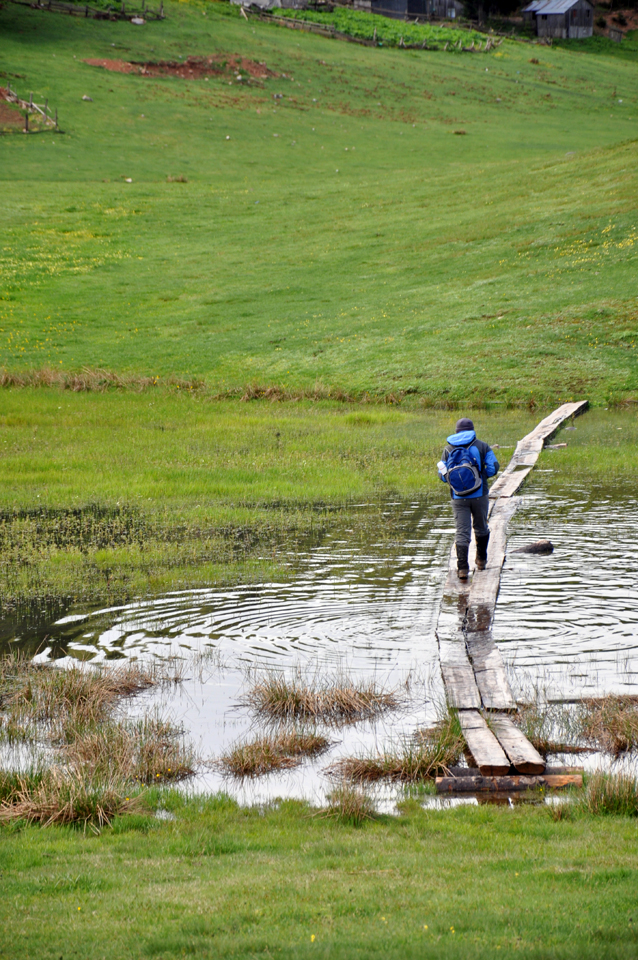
{"type": "Point", "coordinates": [26, 123]}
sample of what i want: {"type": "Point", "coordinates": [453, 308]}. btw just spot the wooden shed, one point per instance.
{"type": "Point", "coordinates": [564, 19]}
{"type": "Point", "coordinates": [402, 9]}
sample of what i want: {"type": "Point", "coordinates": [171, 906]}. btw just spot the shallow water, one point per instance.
{"type": "Point", "coordinates": [566, 623]}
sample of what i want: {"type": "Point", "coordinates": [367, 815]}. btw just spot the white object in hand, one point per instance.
{"type": "Point", "coordinates": [441, 468]}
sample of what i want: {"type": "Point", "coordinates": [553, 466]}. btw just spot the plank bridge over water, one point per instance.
{"type": "Point", "coordinates": [471, 663]}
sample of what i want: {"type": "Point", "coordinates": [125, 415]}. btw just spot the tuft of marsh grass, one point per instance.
{"type": "Point", "coordinates": [607, 723]}
{"type": "Point", "coordinates": [278, 751]}
{"type": "Point", "coordinates": [96, 756]}
{"type": "Point", "coordinates": [609, 793]}
{"type": "Point", "coordinates": [610, 723]}
{"type": "Point", "coordinates": [148, 750]}
{"type": "Point", "coordinates": [338, 699]}
{"type": "Point", "coordinates": [65, 797]}
{"type": "Point", "coordinates": [550, 727]}
{"type": "Point", "coordinates": [430, 753]}
{"type": "Point", "coordinates": [349, 805]}
{"type": "Point", "coordinates": [91, 380]}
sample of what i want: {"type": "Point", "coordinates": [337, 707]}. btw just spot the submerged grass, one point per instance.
{"type": "Point", "coordinates": [339, 699]}
{"type": "Point", "coordinates": [279, 750]}
{"type": "Point", "coordinates": [430, 753]}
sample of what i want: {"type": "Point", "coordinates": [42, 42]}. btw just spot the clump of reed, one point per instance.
{"type": "Point", "coordinates": [349, 805]}
{"type": "Point", "coordinates": [61, 699]}
{"type": "Point", "coordinates": [551, 727]}
{"type": "Point", "coordinates": [67, 797]}
{"type": "Point", "coordinates": [97, 759]}
{"type": "Point", "coordinates": [608, 793]}
{"type": "Point", "coordinates": [336, 700]}
{"type": "Point", "coordinates": [145, 751]}
{"type": "Point", "coordinates": [607, 723]}
{"type": "Point", "coordinates": [610, 723]}
{"type": "Point", "coordinates": [428, 754]}
{"type": "Point", "coordinates": [280, 750]}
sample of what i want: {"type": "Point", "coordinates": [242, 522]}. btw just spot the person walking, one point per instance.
{"type": "Point", "coordinates": [465, 466]}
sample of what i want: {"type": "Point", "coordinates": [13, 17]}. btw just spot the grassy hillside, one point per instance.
{"type": "Point", "coordinates": [460, 227]}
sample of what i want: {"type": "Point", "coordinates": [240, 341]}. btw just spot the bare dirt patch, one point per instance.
{"type": "Point", "coordinates": [192, 68]}
{"type": "Point", "coordinates": [10, 116]}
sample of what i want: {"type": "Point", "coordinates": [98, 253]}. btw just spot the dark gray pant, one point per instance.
{"type": "Point", "coordinates": [466, 511]}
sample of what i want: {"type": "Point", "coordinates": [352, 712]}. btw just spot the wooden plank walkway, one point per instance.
{"type": "Point", "coordinates": [472, 667]}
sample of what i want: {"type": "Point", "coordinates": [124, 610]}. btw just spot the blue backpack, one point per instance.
{"type": "Point", "coordinates": [463, 472]}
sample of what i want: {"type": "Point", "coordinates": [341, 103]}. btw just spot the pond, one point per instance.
{"type": "Point", "coordinates": [566, 624]}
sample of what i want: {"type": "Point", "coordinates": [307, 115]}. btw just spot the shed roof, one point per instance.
{"type": "Point", "coordinates": [551, 6]}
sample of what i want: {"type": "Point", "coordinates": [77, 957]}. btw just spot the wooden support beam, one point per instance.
{"type": "Point", "coordinates": [506, 784]}
{"type": "Point", "coordinates": [483, 745]}
{"type": "Point", "coordinates": [554, 771]}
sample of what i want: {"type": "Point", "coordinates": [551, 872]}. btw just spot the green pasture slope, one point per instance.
{"type": "Point", "coordinates": [459, 227]}
{"type": "Point", "coordinates": [418, 226]}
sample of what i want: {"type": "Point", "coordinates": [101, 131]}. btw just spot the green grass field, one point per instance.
{"type": "Point", "coordinates": [224, 882]}
{"type": "Point", "coordinates": [344, 235]}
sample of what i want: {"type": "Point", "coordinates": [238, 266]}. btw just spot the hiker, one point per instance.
{"type": "Point", "coordinates": [465, 466]}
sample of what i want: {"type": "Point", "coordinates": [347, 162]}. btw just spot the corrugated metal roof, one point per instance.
{"type": "Point", "coordinates": [535, 6]}
{"type": "Point", "coordinates": [556, 6]}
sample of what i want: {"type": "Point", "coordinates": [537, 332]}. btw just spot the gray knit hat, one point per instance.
{"type": "Point", "coordinates": [464, 424]}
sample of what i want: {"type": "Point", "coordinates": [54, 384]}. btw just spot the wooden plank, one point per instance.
{"type": "Point", "coordinates": [547, 427]}
{"type": "Point", "coordinates": [485, 583]}
{"type": "Point", "coordinates": [483, 745]}
{"type": "Point", "coordinates": [460, 686]}
{"type": "Point", "coordinates": [489, 672]}
{"type": "Point", "coordinates": [561, 781]}
{"type": "Point", "coordinates": [505, 784]}
{"type": "Point", "coordinates": [508, 483]}
{"type": "Point", "coordinates": [495, 691]}
{"type": "Point", "coordinates": [522, 754]}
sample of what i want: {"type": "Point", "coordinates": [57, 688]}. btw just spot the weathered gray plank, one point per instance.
{"type": "Point", "coordinates": [547, 427]}
{"type": "Point", "coordinates": [489, 672]}
{"type": "Point", "coordinates": [495, 691]}
{"type": "Point", "coordinates": [508, 483]}
{"type": "Point", "coordinates": [460, 686]}
{"type": "Point", "coordinates": [485, 583]}
{"type": "Point", "coordinates": [483, 745]}
{"type": "Point", "coordinates": [522, 754]}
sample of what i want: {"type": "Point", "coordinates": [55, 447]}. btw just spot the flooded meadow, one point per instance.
{"type": "Point", "coordinates": [365, 613]}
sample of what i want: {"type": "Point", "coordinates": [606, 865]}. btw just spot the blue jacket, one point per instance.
{"type": "Point", "coordinates": [484, 457]}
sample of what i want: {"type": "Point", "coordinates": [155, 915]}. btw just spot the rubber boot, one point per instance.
{"type": "Point", "coordinates": [462, 565]}
{"type": "Point", "coordinates": [481, 551]}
